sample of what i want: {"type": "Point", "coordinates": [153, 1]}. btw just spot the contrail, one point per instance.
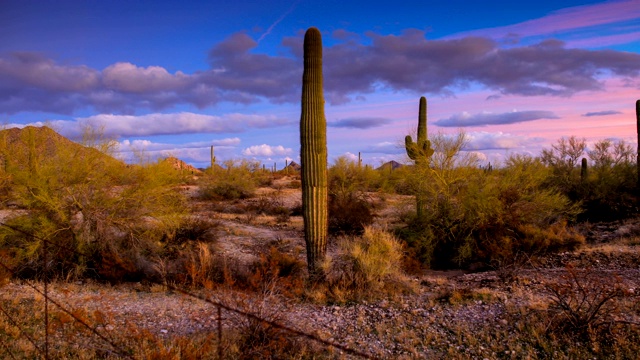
{"type": "Point", "coordinates": [278, 21]}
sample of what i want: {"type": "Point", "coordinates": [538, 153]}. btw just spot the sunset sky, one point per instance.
{"type": "Point", "coordinates": [174, 77]}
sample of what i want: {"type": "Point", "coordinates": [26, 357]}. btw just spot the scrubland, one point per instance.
{"type": "Point", "coordinates": [535, 258]}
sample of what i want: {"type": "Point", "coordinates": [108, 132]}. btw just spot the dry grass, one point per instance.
{"type": "Point", "coordinates": [364, 267]}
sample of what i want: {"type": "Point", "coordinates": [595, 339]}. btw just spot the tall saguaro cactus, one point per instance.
{"type": "Point", "coordinates": [421, 150]}
{"type": "Point", "coordinates": [638, 131]}
{"type": "Point", "coordinates": [313, 154]}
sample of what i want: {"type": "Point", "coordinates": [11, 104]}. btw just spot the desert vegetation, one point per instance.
{"type": "Point", "coordinates": [444, 257]}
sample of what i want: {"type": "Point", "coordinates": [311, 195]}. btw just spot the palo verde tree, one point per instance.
{"type": "Point", "coordinates": [313, 154]}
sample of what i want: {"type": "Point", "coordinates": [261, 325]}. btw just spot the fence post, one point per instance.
{"type": "Point", "coordinates": [46, 299]}
{"type": "Point", "coordinates": [219, 333]}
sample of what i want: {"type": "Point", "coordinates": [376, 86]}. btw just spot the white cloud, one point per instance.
{"type": "Point", "coordinates": [127, 77]}
{"type": "Point", "coordinates": [162, 124]}
{"type": "Point", "coordinates": [498, 141]}
{"type": "Point", "coordinates": [386, 147]}
{"type": "Point", "coordinates": [197, 153]}
{"type": "Point", "coordinates": [265, 150]}
{"type": "Point", "coordinates": [128, 145]}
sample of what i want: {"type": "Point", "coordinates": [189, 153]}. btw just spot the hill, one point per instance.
{"type": "Point", "coordinates": [390, 165]}
{"type": "Point", "coordinates": [23, 148]}
{"type": "Point", "coordinates": [181, 165]}
{"type": "Point", "coordinates": [294, 165]}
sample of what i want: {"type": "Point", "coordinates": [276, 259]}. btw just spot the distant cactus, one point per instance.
{"type": "Point", "coordinates": [421, 150]}
{"type": "Point", "coordinates": [213, 158]}
{"type": "Point", "coordinates": [313, 154]}
{"type": "Point", "coordinates": [584, 170]}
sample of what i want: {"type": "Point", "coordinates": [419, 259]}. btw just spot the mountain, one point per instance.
{"type": "Point", "coordinates": [390, 165]}
{"type": "Point", "coordinates": [295, 166]}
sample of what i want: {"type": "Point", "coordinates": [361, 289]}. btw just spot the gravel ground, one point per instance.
{"type": "Point", "coordinates": [455, 313]}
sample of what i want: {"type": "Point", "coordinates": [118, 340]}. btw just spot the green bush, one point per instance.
{"type": "Point", "coordinates": [94, 211]}
{"type": "Point", "coordinates": [609, 190]}
{"type": "Point", "coordinates": [350, 209]}
{"type": "Point", "coordinates": [477, 216]}
{"type": "Point", "coordinates": [238, 180]}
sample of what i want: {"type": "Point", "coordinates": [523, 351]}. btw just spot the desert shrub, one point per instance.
{"type": "Point", "coordinates": [366, 266]}
{"type": "Point", "coordinates": [583, 303]}
{"type": "Point", "coordinates": [395, 181]}
{"type": "Point", "coordinates": [350, 210]}
{"type": "Point", "coordinates": [277, 272]}
{"type": "Point", "coordinates": [475, 216]}
{"type": "Point", "coordinates": [270, 204]}
{"type": "Point", "coordinates": [585, 317]}
{"type": "Point", "coordinates": [349, 213]}
{"type": "Point", "coordinates": [238, 180]}
{"type": "Point", "coordinates": [347, 176]}
{"type": "Point", "coordinates": [92, 210]}
{"type": "Point", "coordinates": [227, 191]}
{"type": "Point", "coordinates": [609, 190]}
{"type": "Point", "coordinates": [294, 184]}
{"type": "Point", "coordinates": [564, 159]}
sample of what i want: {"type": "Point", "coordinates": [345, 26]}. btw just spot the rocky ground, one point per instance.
{"type": "Point", "coordinates": [454, 314]}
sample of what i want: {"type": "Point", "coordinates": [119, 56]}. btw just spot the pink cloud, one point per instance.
{"type": "Point", "coordinates": [608, 40]}
{"type": "Point", "coordinates": [529, 137]}
{"type": "Point", "coordinates": [567, 19]}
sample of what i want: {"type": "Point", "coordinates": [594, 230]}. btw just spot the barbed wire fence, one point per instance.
{"type": "Point", "coordinates": [42, 348]}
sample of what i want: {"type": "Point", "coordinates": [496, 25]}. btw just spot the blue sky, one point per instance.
{"type": "Point", "coordinates": [170, 77]}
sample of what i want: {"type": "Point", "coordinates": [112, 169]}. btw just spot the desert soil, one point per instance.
{"type": "Point", "coordinates": [422, 323]}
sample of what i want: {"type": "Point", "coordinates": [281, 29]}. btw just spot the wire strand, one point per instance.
{"type": "Point", "coordinates": [214, 303]}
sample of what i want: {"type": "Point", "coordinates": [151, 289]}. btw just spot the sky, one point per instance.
{"type": "Point", "coordinates": [172, 78]}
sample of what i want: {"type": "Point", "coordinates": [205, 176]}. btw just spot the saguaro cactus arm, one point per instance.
{"type": "Point", "coordinates": [313, 153]}
{"type": "Point", "coordinates": [421, 149]}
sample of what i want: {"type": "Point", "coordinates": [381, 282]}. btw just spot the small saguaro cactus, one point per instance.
{"type": "Point", "coordinates": [584, 170]}
{"type": "Point", "coordinates": [421, 149]}
{"type": "Point", "coordinates": [313, 154]}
